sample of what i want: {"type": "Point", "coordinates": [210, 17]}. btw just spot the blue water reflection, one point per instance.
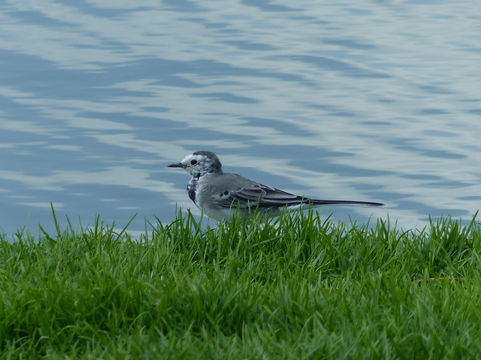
{"type": "Point", "coordinates": [361, 100]}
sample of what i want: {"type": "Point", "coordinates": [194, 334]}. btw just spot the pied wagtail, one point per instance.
{"type": "Point", "coordinates": [219, 194]}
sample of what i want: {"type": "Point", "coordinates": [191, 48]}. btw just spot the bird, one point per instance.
{"type": "Point", "coordinates": [219, 195]}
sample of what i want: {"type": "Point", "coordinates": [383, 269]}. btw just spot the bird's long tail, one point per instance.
{"type": "Point", "coordinates": [345, 202]}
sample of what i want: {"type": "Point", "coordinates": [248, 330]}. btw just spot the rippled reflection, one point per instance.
{"type": "Point", "coordinates": [360, 100]}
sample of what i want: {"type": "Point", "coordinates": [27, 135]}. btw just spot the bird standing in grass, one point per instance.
{"type": "Point", "coordinates": [220, 194]}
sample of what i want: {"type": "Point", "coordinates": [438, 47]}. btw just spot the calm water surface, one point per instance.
{"type": "Point", "coordinates": [364, 100]}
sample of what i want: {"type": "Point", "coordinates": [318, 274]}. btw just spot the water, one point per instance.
{"type": "Point", "coordinates": [363, 100]}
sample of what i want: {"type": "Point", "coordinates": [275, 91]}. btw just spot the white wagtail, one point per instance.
{"type": "Point", "coordinates": [219, 194]}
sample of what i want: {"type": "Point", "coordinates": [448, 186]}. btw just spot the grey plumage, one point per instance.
{"type": "Point", "coordinates": [218, 194]}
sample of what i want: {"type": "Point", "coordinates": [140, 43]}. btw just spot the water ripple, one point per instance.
{"type": "Point", "coordinates": [363, 100]}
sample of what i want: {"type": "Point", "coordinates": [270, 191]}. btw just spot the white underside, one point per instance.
{"type": "Point", "coordinates": [227, 213]}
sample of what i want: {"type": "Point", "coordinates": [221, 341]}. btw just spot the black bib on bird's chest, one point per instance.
{"type": "Point", "coordinates": [192, 187]}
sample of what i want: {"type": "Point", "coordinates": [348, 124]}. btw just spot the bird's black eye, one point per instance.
{"type": "Point", "coordinates": [193, 162]}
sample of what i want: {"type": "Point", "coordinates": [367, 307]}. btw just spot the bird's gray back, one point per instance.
{"type": "Point", "coordinates": [218, 183]}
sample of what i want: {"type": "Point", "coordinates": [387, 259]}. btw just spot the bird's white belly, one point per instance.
{"type": "Point", "coordinates": [218, 214]}
{"type": "Point", "coordinates": [211, 210]}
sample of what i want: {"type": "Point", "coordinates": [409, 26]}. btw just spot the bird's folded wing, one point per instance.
{"type": "Point", "coordinates": [260, 196]}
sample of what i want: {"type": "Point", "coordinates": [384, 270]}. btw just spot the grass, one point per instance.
{"type": "Point", "coordinates": [299, 287]}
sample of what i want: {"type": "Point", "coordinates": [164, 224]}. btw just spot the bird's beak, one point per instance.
{"type": "Point", "coordinates": [179, 165]}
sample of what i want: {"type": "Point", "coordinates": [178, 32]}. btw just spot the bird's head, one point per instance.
{"type": "Point", "coordinates": [200, 163]}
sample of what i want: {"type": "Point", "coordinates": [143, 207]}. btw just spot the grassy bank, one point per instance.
{"type": "Point", "coordinates": [299, 288]}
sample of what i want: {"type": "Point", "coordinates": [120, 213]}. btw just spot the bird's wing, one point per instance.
{"type": "Point", "coordinates": [244, 193]}
{"type": "Point", "coordinates": [258, 196]}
